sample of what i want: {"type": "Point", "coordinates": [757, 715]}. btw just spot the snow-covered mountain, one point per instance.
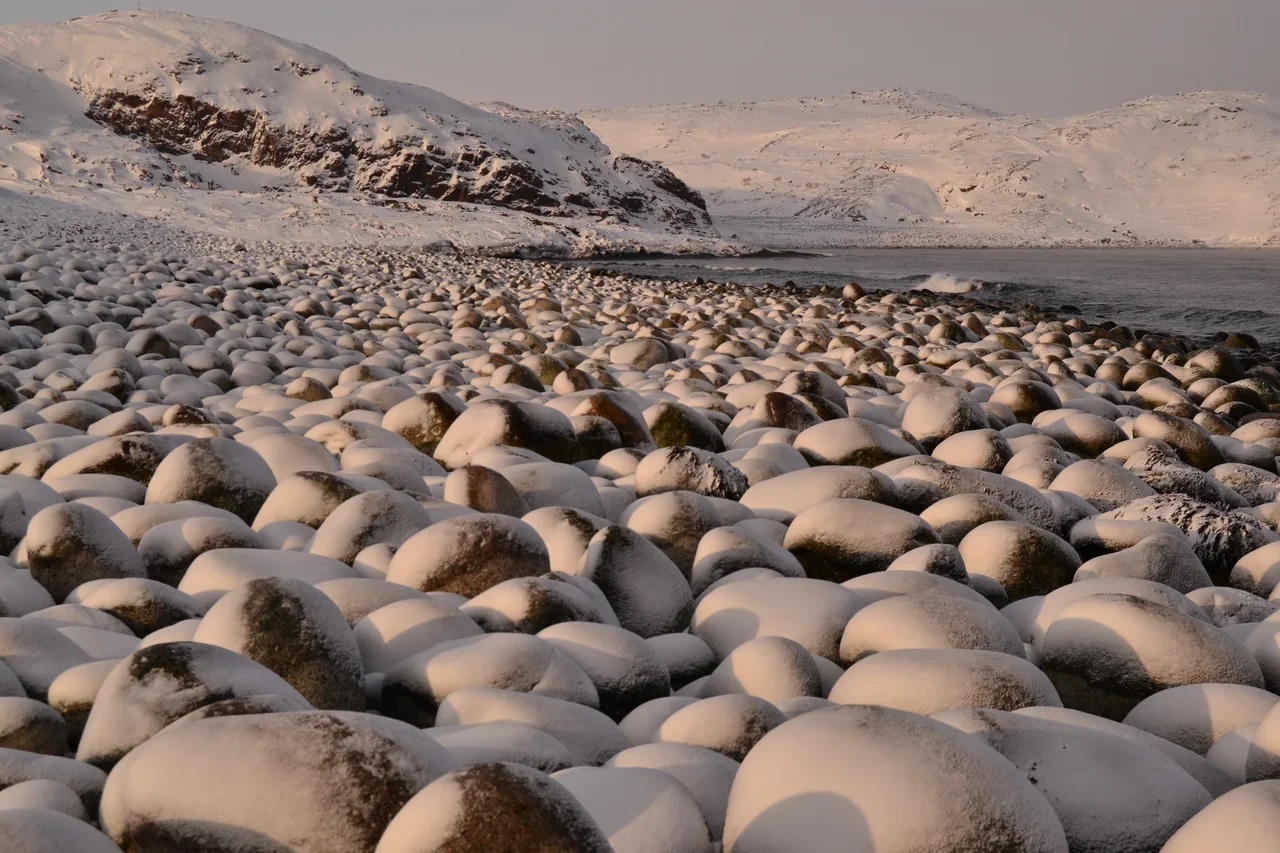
{"type": "Point", "coordinates": [149, 102]}
{"type": "Point", "coordinates": [864, 167]}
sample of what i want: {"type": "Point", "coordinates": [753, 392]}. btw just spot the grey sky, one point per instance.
{"type": "Point", "coordinates": [1045, 57]}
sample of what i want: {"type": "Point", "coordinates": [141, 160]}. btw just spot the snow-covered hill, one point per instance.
{"type": "Point", "coordinates": [884, 166]}
{"type": "Point", "coordinates": [154, 104]}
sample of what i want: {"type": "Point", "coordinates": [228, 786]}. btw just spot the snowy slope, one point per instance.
{"type": "Point", "coordinates": [1194, 167]}
{"type": "Point", "coordinates": [152, 102]}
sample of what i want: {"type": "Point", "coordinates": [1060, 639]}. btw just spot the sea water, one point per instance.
{"type": "Point", "coordinates": [1193, 292]}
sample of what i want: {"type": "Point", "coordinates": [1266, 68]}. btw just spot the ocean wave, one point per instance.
{"type": "Point", "coordinates": [738, 268]}
{"type": "Point", "coordinates": [947, 283]}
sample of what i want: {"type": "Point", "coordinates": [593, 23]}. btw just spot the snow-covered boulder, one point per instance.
{"type": "Point", "coordinates": [1106, 653]}
{"type": "Point", "coordinates": [927, 622]}
{"type": "Point", "coordinates": [41, 830]}
{"type": "Point", "coordinates": [157, 685]}
{"type": "Point", "coordinates": [646, 590]}
{"type": "Point", "coordinates": [469, 554]}
{"type": "Point", "coordinates": [1244, 820]}
{"type": "Point", "coordinates": [927, 681]}
{"type": "Point", "coordinates": [928, 773]}
{"type": "Point", "coordinates": [296, 780]}
{"type": "Point", "coordinates": [639, 809]}
{"type": "Point", "coordinates": [810, 612]}
{"type": "Point", "coordinates": [515, 807]}
{"type": "Point", "coordinates": [414, 688]}
{"type": "Point", "coordinates": [590, 736]}
{"type": "Point", "coordinates": [1196, 716]}
{"type": "Point", "coordinates": [1110, 793]}
{"type": "Point", "coordinates": [730, 724]}
{"type": "Point", "coordinates": [295, 631]}
{"type": "Point", "coordinates": [840, 539]}
{"type": "Point", "coordinates": [70, 544]}
{"type": "Point", "coordinates": [215, 471]}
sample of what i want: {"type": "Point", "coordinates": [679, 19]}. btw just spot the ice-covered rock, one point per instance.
{"type": "Point", "coordinates": [1219, 538]}
{"type": "Point", "coordinates": [688, 469]}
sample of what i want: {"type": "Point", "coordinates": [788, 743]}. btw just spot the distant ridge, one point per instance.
{"type": "Point", "coordinates": [1191, 168]}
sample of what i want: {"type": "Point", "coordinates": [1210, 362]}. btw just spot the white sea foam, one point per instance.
{"type": "Point", "coordinates": [946, 283]}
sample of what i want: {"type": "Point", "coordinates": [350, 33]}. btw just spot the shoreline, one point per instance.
{"type": "Point", "coordinates": [534, 252]}
{"type": "Point", "coordinates": [1063, 310]}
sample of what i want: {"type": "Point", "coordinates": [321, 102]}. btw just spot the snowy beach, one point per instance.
{"type": "Point", "coordinates": [386, 473]}
{"type": "Point", "coordinates": [682, 560]}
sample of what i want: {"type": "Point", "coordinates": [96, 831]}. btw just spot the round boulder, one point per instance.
{"type": "Point", "coordinates": [836, 806]}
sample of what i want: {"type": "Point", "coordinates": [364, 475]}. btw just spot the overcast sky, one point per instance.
{"type": "Point", "coordinates": [1041, 57]}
